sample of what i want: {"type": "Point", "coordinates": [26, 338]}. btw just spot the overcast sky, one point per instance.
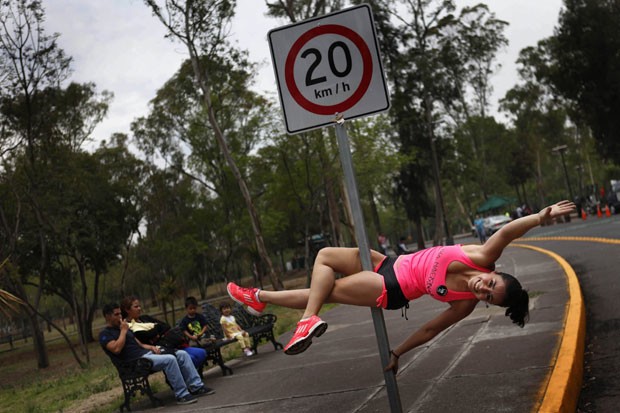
{"type": "Point", "coordinates": [120, 46]}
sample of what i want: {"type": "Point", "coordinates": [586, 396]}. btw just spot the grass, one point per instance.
{"type": "Point", "coordinates": [64, 386]}
{"type": "Point", "coordinates": [23, 387]}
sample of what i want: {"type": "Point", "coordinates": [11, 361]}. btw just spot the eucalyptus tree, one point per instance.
{"type": "Point", "coordinates": [169, 244]}
{"type": "Point", "coordinates": [177, 133]}
{"type": "Point", "coordinates": [583, 66]}
{"type": "Point", "coordinates": [539, 119]}
{"type": "Point", "coordinates": [331, 185]}
{"type": "Point", "coordinates": [298, 10]}
{"type": "Point", "coordinates": [51, 244]}
{"type": "Point", "coordinates": [419, 81]}
{"type": "Point", "coordinates": [201, 26]}
{"type": "Point", "coordinates": [469, 54]}
{"type": "Point", "coordinates": [439, 66]}
{"type": "Point", "coordinates": [31, 61]}
{"type": "Point", "coordinates": [293, 199]}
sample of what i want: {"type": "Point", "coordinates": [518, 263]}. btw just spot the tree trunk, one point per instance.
{"type": "Point", "coordinates": [330, 194]}
{"type": "Point", "coordinates": [539, 180]}
{"type": "Point", "coordinates": [374, 213]}
{"type": "Point", "coordinates": [256, 227]}
{"type": "Point", "coordinates": [419, 233]}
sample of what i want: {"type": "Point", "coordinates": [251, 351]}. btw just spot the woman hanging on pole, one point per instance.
{"type": "Point", "coordinates": [461, 275]}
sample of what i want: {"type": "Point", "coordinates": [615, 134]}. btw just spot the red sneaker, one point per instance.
{"type": "Point", "coordinates": [306, 329]}
{"type": "Point", "coordinates": [246, 296]}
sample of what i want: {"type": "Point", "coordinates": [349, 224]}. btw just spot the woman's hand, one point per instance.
{"type": "Point", "coordinates": [556, 210]}
{"type": "Point", "coordinates": [155, 350]}
{"type": "Point", "coordinates": [393, 364]}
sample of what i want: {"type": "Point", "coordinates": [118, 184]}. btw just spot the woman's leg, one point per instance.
{"type": "Point", "coordinates": [357, 288]}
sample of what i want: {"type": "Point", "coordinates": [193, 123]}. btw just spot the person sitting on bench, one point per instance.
{"type": "Point", "coordinates": [119, 342]}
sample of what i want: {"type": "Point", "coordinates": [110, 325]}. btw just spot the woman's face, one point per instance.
{"type": "Point", "coordinates": [134, 310]}
{"type": "Point", "coordinates": [489, 287]}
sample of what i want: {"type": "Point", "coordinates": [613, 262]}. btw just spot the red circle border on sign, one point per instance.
{"type": "Point", "coordinates": [366, 72]}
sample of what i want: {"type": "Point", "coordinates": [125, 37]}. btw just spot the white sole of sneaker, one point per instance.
{"type": "Point", "coordinates": [253, 311]}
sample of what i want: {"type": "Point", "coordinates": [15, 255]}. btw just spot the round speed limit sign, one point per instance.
{"type": "Point", "coordinates": [328, 65]}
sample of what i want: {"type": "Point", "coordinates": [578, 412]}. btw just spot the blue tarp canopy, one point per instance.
{"type": "Point", "coordinates": [494, 202]}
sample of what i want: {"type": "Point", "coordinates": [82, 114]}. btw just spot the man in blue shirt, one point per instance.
{"type": "Point", "coordinates": [119, 343]}
{"type": "Point", "coordinates": [480, 230]}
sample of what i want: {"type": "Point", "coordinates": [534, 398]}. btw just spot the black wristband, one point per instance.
{"type": "Point", "coordinates": [394, 354]}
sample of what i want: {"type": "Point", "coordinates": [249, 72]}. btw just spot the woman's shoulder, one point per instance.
{"type": "Point", "coordinates": [477, 255]}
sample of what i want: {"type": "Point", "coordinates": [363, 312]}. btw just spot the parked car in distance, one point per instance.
{"type": "Point", "coordinates": [493, 223]}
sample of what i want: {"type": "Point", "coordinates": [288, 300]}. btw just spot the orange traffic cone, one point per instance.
{"type": "Point", "coordinates": [607, 212]}
{"type": "Point", "coordinates": [598, 211]}
{"type": "Point", "coordinates": [583, 214]}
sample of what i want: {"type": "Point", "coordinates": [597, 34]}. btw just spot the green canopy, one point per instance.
{"type": "Point", "coordinates": [494, 202]}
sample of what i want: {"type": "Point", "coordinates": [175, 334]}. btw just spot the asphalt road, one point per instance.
{"type": "Point", "coordinates": [480, 364]}
{"type": "Point", "coordinates": [596, 261]}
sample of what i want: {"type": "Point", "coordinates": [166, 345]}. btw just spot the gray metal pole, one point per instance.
{"type": "Point", "coordinates": [362, 242]}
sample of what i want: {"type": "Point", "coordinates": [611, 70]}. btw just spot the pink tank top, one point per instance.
{"type": "Point", "coordinates": [424, 272]}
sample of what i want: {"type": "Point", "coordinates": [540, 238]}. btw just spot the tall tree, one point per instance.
{"type": "Point", "coordinates": [539, 119]}
{"type": "Point", "coordinates": [323, 140]}
{"type": "Point", "coordinates": [201, 27]}
{"type": "Point", "coordinates": [469, 56]}
{"type": "Point", "coordinates": [177, 132]}
{"type": "Point", "coordinates": [297, 10]}
{"type": "Point", "coordinates": [584, 67]}
{"type": "Point", "coordinates": [33, 61]}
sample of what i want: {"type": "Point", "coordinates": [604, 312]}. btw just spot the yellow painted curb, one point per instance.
{"type": "Point", "coordinates": [588, 239]}
{"type": "Point", "coordinates": [561, 391]}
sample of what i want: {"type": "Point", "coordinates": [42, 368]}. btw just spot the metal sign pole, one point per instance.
{"type": "Point", "coordinates": [362, 242]}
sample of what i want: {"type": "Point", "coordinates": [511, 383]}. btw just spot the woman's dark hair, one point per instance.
{"type": "Point", "coordinates": [516, 300]}
{"type": "Point", "coordinates": [126, 304]}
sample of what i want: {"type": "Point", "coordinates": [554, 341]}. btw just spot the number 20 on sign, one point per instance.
{"type": "Point", "coordinates": [328, 65]}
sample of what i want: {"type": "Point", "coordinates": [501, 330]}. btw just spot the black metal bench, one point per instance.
{"type": "Point", "coordinates": [134, 377]}
{"type": "Point", "coordinates": [258, 327]}
{"type": "Point", "coordinates": [214, 350]}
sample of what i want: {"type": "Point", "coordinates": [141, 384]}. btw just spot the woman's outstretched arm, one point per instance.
{"type": "Point", "coordinates": [493, 248]}
{"type": "Point", "coordinates": [458, 310]}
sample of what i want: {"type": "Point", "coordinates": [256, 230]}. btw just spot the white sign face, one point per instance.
{"type": "Point", "coordinates": [328, 65]}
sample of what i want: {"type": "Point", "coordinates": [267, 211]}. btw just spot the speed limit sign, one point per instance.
{"type": "Point", "coordinates": [326, 66]}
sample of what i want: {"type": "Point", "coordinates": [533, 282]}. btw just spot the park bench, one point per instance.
{"type": "Point", "coordinates": [134, 377]}
{"type": "Point", "coordinates": [258, 327]}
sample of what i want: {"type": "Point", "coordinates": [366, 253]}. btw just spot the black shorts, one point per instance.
{"type": "Point", "coordinates": [395, 297]}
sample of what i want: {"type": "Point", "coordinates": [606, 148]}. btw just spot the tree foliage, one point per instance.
{"type": "Point", "coordinates": [201, 27]}
{"type": "Point", "coordinates": [584, 67]}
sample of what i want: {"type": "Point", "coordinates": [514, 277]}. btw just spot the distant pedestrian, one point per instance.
{"type": "Point", "coordinates": [401, 248]}
{"type": "Point", "coordinates": [480, 230]}
{"type": "Point", "coordinates": [384, 243]}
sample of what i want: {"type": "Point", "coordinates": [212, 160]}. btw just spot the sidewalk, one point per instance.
{"type": "Point", "coordinates": [482, 363]}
